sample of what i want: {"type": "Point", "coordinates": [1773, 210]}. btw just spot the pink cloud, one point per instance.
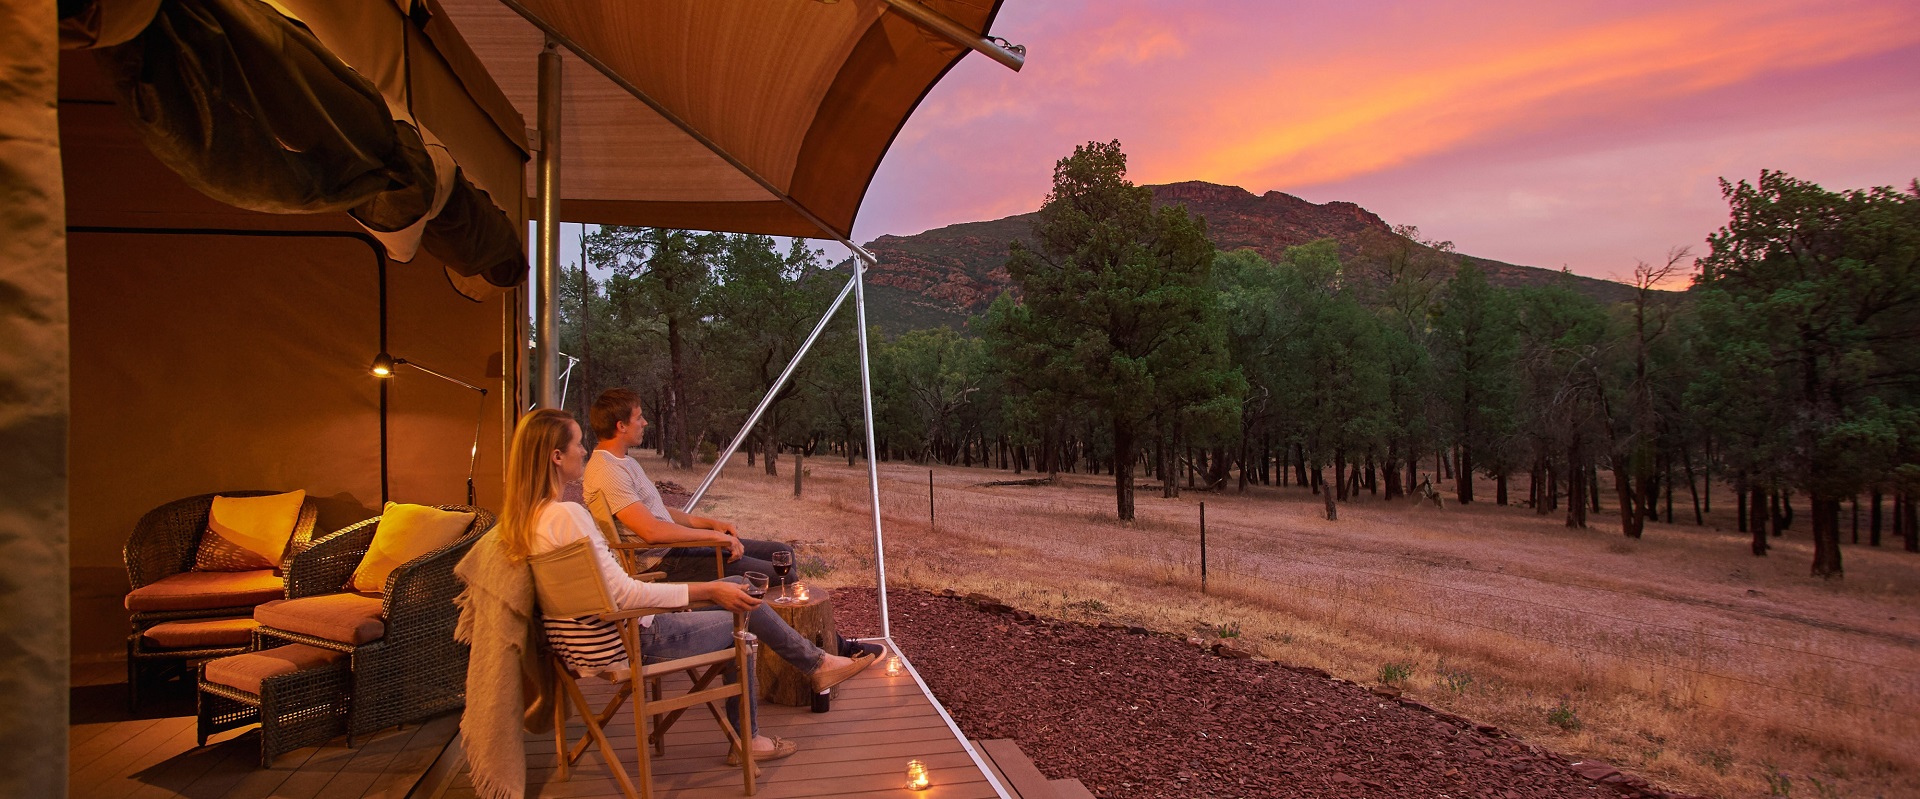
{"type": "Point", "coordinates": [1488, 122]}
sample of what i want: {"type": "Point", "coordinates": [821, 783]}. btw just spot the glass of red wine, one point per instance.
{"type": "Point", "coordinates": [783, 569]}
{"type": "Point", "coordinates": [756, 584]}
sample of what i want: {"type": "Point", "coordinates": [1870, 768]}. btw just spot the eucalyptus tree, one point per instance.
{"type": "Point", "coordinates": [664, 272]}
{"type": "Point", "coordinates": [1811, 299]}
{"type": "Point", "coordinates": [1118, 290]}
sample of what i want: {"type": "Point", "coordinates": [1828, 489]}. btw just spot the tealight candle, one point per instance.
{"type": "Point", "coordinates": [800, 592]}
{"type": "Point", "coordinates": [917, 779]}
{"type": "Point", "coordinates": [893, 666]}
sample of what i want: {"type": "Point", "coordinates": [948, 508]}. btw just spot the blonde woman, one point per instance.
{"type": "Point", "coordinates": [547, 453]}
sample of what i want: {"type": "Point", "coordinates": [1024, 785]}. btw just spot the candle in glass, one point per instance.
{"type": "Point", "coordinates": [893, 666]}
{"type": "Point", "coordinates": [917, 779]}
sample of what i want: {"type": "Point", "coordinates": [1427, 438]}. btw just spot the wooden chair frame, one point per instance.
{"type": "Point", "coordinates": [643, 690]}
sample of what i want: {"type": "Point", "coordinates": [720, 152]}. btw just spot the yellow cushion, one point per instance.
{"type": "Point", "coordinates": [247, 533]}
{"type": "Point", "coordinates": [405, 532]}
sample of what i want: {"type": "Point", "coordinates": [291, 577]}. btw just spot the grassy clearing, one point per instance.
{"type": "Point", "coordinates": [1679, 655]}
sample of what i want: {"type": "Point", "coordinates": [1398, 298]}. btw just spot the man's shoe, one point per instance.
{"type": "Point", "coordinates": [828, 678]}
{"type": "Point", "coordinates": [781, 748]}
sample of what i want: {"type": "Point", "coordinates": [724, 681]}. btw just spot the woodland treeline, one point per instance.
{"type": "Point", "coordinates": [1787, 366]}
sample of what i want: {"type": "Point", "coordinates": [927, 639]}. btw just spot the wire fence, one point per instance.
{"type": "Point", "coordinates": [1691, 665]}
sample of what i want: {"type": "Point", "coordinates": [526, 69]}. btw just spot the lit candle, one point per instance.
{"type": "Point", "coordinates": [893, 666]}
{"type": "Point", "coordinates": [917, 776]}
{"type": "Point", "coordinates": [800, 592]}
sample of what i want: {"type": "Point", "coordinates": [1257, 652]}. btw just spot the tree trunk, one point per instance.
{"type": "Point", "coordinates": [1340, 474]}
{"type": "Point", "coordinates": [1463, 486]}
{"type": "Point", "coordinates": [1630, 519]}
{"type": "Point", "coordinates": [1773, 513]}
{"type": "Point", "coordinates": [1536, 488]}
{"type": "Point", "coordinates": [676, 420]}
{"type": "Point", "coordinates": [1912, 527]}
{"type": "Point", "coordinates": [1390, 473]}
{"type": "Point", "coordinates": [1855, 502]}
{"type": "Point", "coordinates": [1576, 509]}
{"type": "Point", "coordinates": [1123, 467]}
{"type": "Point", "coordinates": [1686, 460]}
{"type": "Point", "coordinates": [1873, 519]}
{"type": "Point", "coordinates": [1300, 465]}
{"type": "Point", "coordinates": [1756, 518]}
{"type": "Point", "coordinates": [1740, 498]}
{"type": "Point", "coordinates": [798, 471]}
{"type": "Point", "coordinates": [1333, 511]}
{"type": "Point", "coordinates": [1593, 487]}
{"type": "Point", "coordinates": [1826, 535]}
{"type": "Point", "coordinates": [773, 453]}
{"type": "Point", "coordinates": [1500, 488]}
{"type": "Point", "coordinates": [1373, 486]}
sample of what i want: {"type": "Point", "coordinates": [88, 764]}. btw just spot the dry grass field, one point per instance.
{"type": "Point", "coordinates": [1679, 656]}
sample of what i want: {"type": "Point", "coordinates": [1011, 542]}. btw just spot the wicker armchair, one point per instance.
{"type": "Point", "coordinates": [163, 544]}
{"type": "Point", "coordinates": [415, 669]}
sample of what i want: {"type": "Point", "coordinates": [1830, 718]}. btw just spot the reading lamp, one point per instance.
{"type": "Point", "coordinates": [384, 366]}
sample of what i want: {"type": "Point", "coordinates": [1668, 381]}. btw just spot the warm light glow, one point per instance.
{"type": "Point", "coordinates": [382, 365]}
{"type": "Point", "coordinates": [800, 592]}
{"type": "Point", "coordinates": [917, 779]}
{"type": "Point", "coordinates": [893, 666]}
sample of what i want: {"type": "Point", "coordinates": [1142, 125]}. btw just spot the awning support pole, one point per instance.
{"type": "Point", "coordinates": [546, 296]}
{"type": "Point", "coordinates": [873, 456]}
{"type": "Point", "coordinates": [767, 401]}
{"type": "Point", "coordinates": [959, 34]}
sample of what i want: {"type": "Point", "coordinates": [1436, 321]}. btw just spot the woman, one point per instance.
{"type": "Point", "coordinates": [547, 453]}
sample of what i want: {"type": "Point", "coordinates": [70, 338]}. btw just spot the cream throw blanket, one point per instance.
{"type": "Point", "coordinates": [509, 681]}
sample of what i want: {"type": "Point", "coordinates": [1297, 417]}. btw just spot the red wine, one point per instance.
{"type": "Point", "coordinates": [781, 570]}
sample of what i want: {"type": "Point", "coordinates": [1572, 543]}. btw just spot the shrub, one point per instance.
{"type": "Point", "coordinates": [1562, 716]}
{"type": "Point", "coordinates": [1396, 673]}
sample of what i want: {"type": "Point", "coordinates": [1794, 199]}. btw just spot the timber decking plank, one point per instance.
{"type": "Point", "coordinates": [410, 767]}
{"type": "Point", "coordinates": [131, 755]}
{"type": "Point", "coordinates": [1019, 773]}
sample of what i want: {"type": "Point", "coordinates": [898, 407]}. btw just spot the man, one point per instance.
{"type": "Point", "coordinates": [615, 485]}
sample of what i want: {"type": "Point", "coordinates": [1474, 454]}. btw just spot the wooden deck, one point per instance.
{"type": "Point", "coordinates": [860, 749]}
{"type": "Point", "coordinates": [153, 754]}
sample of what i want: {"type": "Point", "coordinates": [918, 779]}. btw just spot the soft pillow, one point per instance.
{"type": "Point", "coordinates": [248, 533]}
{"type": "Point", "coordinates": [405, 532]}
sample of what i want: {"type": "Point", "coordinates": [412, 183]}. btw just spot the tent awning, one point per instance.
{"type": "Point", "coordinates": [805, 96]}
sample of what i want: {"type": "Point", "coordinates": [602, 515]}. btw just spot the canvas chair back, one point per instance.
{"type": "Point", "coordinates": [567, 581]}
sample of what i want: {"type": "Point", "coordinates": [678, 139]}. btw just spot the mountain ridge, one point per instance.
{"type": "Point", "coordinates": [940, 277]}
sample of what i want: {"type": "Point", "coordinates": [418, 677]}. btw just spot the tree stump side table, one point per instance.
{"type": "Point", "coordinates": [813, 620]}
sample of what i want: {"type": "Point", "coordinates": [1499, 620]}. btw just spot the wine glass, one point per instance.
{"type": "Point", "coordinates": [783, 569]}
{"type": "Point", "coordinates": [756, 584]}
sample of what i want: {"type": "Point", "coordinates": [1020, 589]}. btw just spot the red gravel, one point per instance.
{"type": "Point", "coordinates": [1137, 714]}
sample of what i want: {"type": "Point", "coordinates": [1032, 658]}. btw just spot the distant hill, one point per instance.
{"type": "Point", "coordinates": [941, 277]}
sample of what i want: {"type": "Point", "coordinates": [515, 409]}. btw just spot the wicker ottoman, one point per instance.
{"type": "Point", "coordinates": [297, 694]}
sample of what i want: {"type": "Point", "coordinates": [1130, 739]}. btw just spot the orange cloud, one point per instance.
{"type": "Point", "coordinates": [1306, 124]}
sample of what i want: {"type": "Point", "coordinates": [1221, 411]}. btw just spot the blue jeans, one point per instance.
{"type": "Point", "coordinates": [679, 635]}
{"type": "Point", "coordinates": [695, 564]}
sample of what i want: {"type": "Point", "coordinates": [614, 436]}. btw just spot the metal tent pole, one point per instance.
{"type": "Point", "coordinates": [873, 459]}
{"type": "Point", "coordinates": [546, 289]}
{"type": "Point", "coordinates": [767, 401]}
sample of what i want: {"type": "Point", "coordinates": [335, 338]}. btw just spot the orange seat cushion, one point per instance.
{"type": "Point", "coordinates": [345, 618]}
{"type": "Point", "coordinates": [247, 671]}
{"type": "Point", "coordinates": [200, 633]}
{"type": "Point", "coordinates": [208, 590]}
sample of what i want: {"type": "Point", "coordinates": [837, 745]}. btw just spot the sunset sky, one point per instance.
{"type": "Point", "coordinates": [1576, 133]}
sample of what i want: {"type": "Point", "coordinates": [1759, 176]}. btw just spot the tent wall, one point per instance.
{"type": "Point", "coordinates": [33, 411]}
{"type": "Point", "coordinates": [213, 362]}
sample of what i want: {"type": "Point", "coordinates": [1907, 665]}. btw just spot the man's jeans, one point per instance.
{"type": "Point", "coordinates": [679, 635]}
{"type": "Point", "coordinates": [695, 564]}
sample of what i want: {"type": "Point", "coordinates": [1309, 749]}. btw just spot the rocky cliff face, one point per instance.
{"type": "Point", "coordinates": [945, 275]}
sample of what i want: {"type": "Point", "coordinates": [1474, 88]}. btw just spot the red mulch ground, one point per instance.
{"type": "Point", "coordinates": [1136, 714]}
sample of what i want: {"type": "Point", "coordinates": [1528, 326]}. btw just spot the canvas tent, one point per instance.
{"type": "Point", "coordinates": [160, 342]}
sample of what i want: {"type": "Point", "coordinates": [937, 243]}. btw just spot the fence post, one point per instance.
{"type": "Point", "coordinates": [1203, 547]}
